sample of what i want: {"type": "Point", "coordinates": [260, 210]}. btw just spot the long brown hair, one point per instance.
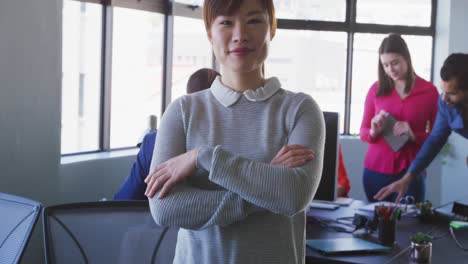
{"type": "Point", "coordinates": [394, 43]}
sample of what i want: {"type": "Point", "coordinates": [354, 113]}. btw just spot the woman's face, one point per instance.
{"type": "Point", "coordinates": [240, 41]}
{"type": "Point", "coordinates": [395, 66]}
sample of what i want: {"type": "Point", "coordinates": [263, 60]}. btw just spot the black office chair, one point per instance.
{"type": "Point", "coordinates": [106, 232]}
{"type": "Point", "coordinates": [18, 217]}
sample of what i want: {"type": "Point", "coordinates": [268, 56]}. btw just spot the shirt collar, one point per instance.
{"type": "Point", "coordinates": [227, 97]}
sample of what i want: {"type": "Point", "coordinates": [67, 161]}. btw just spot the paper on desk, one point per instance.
{"type": "Point", "coordinates": [405, 208]}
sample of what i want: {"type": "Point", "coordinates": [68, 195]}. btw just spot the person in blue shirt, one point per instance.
{"type": "Point", "coordinates": [452, 115]}
{"type": "Point", "coordinates": [134, 186]}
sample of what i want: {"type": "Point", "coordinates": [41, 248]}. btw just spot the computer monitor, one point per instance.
{"type": "Point", "coordinates": [327, 187]}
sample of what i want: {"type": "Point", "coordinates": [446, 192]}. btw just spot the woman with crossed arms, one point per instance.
{"type": "Point", "coordinates": [233, 165]}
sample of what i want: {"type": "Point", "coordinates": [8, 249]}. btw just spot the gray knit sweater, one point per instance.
{"type": "Point", "coordinates": [238, 208]}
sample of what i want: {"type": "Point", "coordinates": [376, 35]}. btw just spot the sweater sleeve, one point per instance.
{"type": "Point", "coordinates": [186, 206]}
{"type": "Point", "coordinates": [279, 189]}
{"type": "Point", "coordinates": [369, 112]}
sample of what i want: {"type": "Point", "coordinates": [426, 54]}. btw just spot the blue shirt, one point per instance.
{"type": "Point", "coordinates": [448, 119]}
{"type": "Point", "coordinates": [134, 186]}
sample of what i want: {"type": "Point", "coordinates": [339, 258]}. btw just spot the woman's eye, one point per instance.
{"type": "Point", "coordinates": [254, 21]}
{"type": "Point", "coordinates": [225, 23]}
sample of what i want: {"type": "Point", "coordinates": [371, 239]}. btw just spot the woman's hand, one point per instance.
{"type": "Point", "coordinates": [292, 156]}
{"type": "Point", "coordinates": [170, 172]}
{"type": "Point", "coordinates": [377, 123]}
{"type": "Point", "coordinates": [403, 127]}
{"type": "Point", "coordinates": [177, 169]}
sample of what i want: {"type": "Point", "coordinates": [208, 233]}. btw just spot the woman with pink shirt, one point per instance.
{"type": "Point", "coordinates": [412, 101]}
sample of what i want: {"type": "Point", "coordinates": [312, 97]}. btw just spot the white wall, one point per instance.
{"type": "Point", "coordinates": [93, 180]}
{"type": "Point", "coordinates": [30, 66]}
{"type": "Point", "coordinates": [451, 37]}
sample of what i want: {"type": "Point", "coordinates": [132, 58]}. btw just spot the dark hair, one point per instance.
{"type": "Point", "coordinates": [394, 43]}
{"type": "Point", "coordinates": [201, 80]}
{"type": "Point", "coordinates": [456, 67]}
{"type": "Point", "coordinates": [214, 8]}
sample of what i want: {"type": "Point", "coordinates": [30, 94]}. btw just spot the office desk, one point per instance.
{"type": "Point", "coordinates": [444, 249]}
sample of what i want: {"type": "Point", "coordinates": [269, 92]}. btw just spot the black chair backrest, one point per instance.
{"type": "Point", "coordinates": [18, 217]}
{"type": "Point", "coordinates": [106, 232]}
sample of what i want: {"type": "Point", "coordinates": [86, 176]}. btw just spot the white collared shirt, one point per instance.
{"type": "Point", "coordinates": [227, 97]}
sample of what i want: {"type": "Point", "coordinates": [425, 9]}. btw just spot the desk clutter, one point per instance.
{"type": "Point", "coordinates": [397, 227]}
{"type": "Point", "coordinates": [387, 217]}
{"type": "Point", "coordinates": [388, 212]}
{"type": "Point", "coordinates": [403, 208]}
{"type": "Point", "coordinates": [456, 210]}
{"type": "Point", "coordinates": [382, 219]}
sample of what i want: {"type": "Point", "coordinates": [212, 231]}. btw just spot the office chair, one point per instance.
{"type": "Point", "coordinates": [18, 217]}
{"type": "Point", "coordinates": [106, 232]}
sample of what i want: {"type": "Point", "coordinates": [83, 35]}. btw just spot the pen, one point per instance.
{"type": "Point", "coordinates": [389, 209]}
{"type": "Point", "coordinates": [392, 215]}
{"type": "Point", "coordinates": [397, 213]}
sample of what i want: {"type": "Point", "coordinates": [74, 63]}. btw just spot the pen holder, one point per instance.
{"type": "Point", "coordinates": [386, 231]}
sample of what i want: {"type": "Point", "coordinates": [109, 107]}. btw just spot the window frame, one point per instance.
{"type": "Point", "coordinates": [170, 9]}
{"type": "Point", "coordinates": [350, 26]}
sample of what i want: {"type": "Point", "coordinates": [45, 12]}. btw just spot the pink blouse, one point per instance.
{"type": "Point", "coordinates": [419, 109]}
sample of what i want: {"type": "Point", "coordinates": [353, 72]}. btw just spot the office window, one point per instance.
{"type": "Point", "coordinates": [395, 12]}
{"type": "Point", "coordinates": [191, 2]}
{"type": "Point", "coordinates": [325, 10]}
{"type": "Point", "coordinates": [81, 76]}
{"type": "Point", "coordinates": [319, 72]}
{"type": "Point", "coordinates": [365, 67]}
{"type": "Point", "coordinates": [192, 51]}
{"type": "Point", "coordinates": [137, 60]}
{"type": "Point", "coordinates": [126, 60]}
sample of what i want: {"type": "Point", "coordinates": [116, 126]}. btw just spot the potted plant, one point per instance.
{"type": "Point", "coordinates": [425, 211]}
{"type": "Point", "coordinates": [421, 247]}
